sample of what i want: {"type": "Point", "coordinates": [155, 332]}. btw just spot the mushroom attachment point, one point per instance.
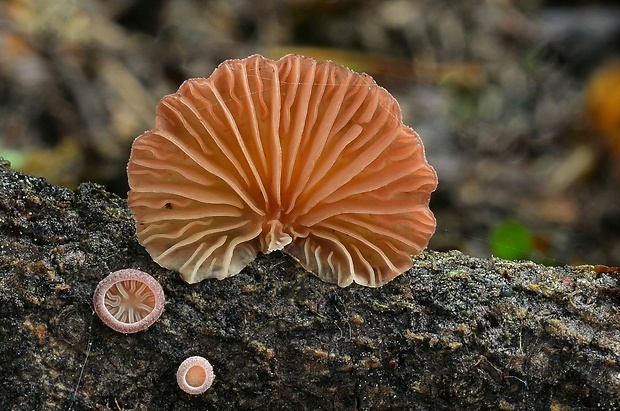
{"type": "Point", "coordinates": [195, 375]}
{"type": "Point", "coordinates": [129, 301]}
{"type": "Point", "coordinates": [296, 155]}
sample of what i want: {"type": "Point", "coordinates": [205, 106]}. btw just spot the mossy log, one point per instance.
{"type": "Point", "coordinates": [455, 332]}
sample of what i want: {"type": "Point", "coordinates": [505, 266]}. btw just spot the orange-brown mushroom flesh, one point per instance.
{"type": "Point", "coordinates": [293, 154]}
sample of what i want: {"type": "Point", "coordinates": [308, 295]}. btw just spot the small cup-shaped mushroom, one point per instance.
{"type": "Point", "coordinates": [304, 156]}
{"type": "Point", "coordinates": [129, 300]}
{"type": "Point", "coordinates": [195, 375]}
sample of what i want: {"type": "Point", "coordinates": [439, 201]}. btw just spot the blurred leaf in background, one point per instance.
{"type": "Point", "coordinates": [511, 240]}
{"type": "Point", "coordinates": [603, 103]}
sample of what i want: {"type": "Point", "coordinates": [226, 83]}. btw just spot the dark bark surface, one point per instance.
{"type": "Point", "coordinates": [454, 332]}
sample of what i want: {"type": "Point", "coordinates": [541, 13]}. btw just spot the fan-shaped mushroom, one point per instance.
{"type": "Point", "coordinates": [299, 155]}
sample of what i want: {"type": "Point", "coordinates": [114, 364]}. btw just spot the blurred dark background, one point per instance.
{"type": "Point", "coordinates": [518, 102]}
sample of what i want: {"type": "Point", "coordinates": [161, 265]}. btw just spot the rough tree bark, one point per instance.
{"type": "Point", "coordinates": [455, 332]}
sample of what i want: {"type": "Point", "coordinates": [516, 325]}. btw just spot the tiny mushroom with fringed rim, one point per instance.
{"type": "Point", "coordinates": [195, 375]}
{"type": "Point", "coordinates": [296, 155]}
{"type": "Point", "coordinates": [129, 301]}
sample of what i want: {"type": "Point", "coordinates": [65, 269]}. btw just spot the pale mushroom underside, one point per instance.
{"type": "Point", "coordinates": [294, 154]}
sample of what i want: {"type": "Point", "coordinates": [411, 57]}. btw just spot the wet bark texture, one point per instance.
{"type": "Point", "coordinates": [454, 332]}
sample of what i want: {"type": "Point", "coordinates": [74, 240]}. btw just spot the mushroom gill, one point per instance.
{"type": "Point", "coordinates": [296, 155]}
{"type": "Point", "coordinates": [129, 300]}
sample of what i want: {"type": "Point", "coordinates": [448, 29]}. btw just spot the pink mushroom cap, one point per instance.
{"type": "Point", "coordinates": [195, 375]}
{"type": "Point", "coordinates": [129, 300]}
